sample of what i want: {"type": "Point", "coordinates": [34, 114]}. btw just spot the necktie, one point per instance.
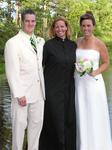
{"type": "Point", "coordinates": [33, 44]}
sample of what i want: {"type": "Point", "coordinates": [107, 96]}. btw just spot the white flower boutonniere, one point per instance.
{"type": "Point", "coordinates": [39, 39]}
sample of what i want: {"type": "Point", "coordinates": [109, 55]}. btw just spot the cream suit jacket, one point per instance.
{"type": "Point", "coordinates": [24, 67]}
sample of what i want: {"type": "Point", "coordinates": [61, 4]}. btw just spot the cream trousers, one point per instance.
{"type": "Point", "coordinates": [30, 117]}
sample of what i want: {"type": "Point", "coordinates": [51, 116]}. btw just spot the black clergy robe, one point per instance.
{"type": "Point", "coordinates": [59, 127]}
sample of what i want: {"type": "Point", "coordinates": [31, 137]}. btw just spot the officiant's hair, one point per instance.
{"type": "Point", "coordinates": [88, 16]}
{"type": "Point", "coordinates": [25, 12]}
{"type": "Point", "coordinates": [59, 18]}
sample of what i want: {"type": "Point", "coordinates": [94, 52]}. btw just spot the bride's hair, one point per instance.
{"type": "Point", "coordinates": [89, 12]}
{"type": "Point", "coordinates": [87, 16]}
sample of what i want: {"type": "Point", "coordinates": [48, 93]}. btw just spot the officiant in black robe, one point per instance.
{"type": "Point", "coordinates": [59, 127]}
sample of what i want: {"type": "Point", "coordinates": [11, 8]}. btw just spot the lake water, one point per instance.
{"type": "Point", "coordinates": [5, 115]}
{"type": "Point", "coordinates": [5, 110]}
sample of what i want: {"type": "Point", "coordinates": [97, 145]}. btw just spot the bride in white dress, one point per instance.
{"type": "Point", "coordinates": [93, 125]}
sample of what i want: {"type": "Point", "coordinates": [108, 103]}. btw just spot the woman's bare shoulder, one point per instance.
{"type": "Point", "coordinates": [100, 44]}
{"type": "Point", "coordinates": [99, 41]}
{"type": "Point", "coordinates": [79, 40]}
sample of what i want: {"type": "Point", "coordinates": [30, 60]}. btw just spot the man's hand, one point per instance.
{"type": "Point", "coordinates": [22, 101]}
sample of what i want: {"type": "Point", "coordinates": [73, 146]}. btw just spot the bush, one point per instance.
{"type": "Point", "coordinates": [7, 30]}
{"type": "Point", "coordinates": [109, 46]}
{"type": "Point", "coordinates": [2, 68]}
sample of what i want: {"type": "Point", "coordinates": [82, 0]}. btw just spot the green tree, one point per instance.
{"type": "Point", "coordinates": [46, 10]}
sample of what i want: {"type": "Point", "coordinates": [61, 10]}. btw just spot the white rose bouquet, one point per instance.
{"type": "Point", "coordinates": [84, 66]}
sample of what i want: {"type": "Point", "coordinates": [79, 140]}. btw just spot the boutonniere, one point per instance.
{"type": "Point", "coordinates": [39, 39]}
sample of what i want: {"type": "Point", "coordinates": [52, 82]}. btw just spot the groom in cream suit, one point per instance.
{"type": "Point", "coordinates": [23, 62]}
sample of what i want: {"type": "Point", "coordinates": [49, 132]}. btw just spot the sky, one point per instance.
{"type": "Point", "coordinates": [5, 4]}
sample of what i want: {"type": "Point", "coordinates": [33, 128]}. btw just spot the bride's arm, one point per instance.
{"type": "Point", "coordinates": [104, 59]}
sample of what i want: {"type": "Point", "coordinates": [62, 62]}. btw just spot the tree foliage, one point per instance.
{"type": "Point", "coordinates": [46, 10]}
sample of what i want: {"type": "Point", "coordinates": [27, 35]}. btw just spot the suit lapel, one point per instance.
{"type": "Point", "coordinates": [38, 50]}
{"type": "Point", "coordinates": [39, 44]}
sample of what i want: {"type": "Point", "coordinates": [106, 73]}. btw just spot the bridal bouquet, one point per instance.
{"type": "Point", "coordinates": [84, 66]}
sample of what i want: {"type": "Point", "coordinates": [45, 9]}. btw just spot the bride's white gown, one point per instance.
{"type": "Point", "coordinates": [93, 125]}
